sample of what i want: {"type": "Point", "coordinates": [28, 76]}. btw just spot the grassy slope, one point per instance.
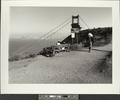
{"type": "Point", "coordinates": [95, 67]}
{"type": "Point", "coordinates": [102, 36]}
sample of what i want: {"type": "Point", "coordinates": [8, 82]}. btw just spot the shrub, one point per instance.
{"type": "Point", "coordinates": [31, 55]}
{"type": "Point", "coordinates": [15, 58]}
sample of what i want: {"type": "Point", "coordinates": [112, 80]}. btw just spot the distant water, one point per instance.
{"type": "Point", "coordinates": [27, 46]}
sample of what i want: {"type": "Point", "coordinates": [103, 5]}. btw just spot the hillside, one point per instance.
{"type": "Point", "coordinates": [102, 36]}
{"type": "Point", "coordinates": [65, 67]}
{"type": "Point", "coordinates": [76, 66]}
{"type": "Point", "coordinates": [20, 49]}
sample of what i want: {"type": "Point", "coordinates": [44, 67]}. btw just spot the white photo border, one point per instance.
{"type": "Point", "coordinates": [7, 88]}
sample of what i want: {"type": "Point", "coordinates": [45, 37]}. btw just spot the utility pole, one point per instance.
{"type": "Point", "coordinates": [72, 36]}
{"type": "Point", "coordinates": [77, 37]}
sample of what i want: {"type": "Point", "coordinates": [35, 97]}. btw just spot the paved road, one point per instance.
{"type": "Point", "coordinates": [68, 67]}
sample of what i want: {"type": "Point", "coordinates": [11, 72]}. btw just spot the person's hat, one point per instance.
{"type": "Point", "coordinates": [90, 34]}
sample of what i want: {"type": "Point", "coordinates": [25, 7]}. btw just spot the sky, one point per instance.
{"type": "Point", "coordinates": [40, 20]}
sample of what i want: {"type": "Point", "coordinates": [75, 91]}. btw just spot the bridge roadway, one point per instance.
{"type": "Point", "coordinates": [67, 67]}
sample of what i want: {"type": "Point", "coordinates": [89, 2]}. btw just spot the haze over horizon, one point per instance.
{"type": "Point", "coordinates": [36, 21]}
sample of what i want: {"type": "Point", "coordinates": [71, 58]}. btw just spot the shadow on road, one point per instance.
{"type": "Point", "coordinates": [101, 50]}
{"type": "Point", "coordinates": [82, 50]}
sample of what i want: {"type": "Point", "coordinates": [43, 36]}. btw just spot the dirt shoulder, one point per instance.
{"type": "Point", "coordinates": [67, 67]}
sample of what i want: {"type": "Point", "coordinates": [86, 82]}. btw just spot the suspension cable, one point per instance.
{"type": "Point", "coordinates": [58, 29]}
{"type": "Point", "coordinates": [55, 28]}
{"type": "Point", "coordinates": [84, 22]}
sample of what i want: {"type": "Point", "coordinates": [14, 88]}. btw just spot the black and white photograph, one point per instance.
{"type": "Point", "coordinates": [64, 47]}
{"type": "Point", "coordinates": [60, 45]}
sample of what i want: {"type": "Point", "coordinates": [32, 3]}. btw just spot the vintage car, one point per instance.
{"type": "Point", "coordinates": [62, 48]}
{"type": "Point", "coordinates": [52, 50]}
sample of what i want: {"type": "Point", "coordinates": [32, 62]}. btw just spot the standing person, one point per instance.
{"type": "Point", "coordinates": [59, 45]}
{"type": "Point", "coordinates": [90, 41]}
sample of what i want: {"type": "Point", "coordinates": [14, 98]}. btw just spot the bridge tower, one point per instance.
{"type": "Point", "coordinates": [75, 28]}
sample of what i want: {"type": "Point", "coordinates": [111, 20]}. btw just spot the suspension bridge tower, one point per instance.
{"type": "Point", "coordinates": [75, 28]}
